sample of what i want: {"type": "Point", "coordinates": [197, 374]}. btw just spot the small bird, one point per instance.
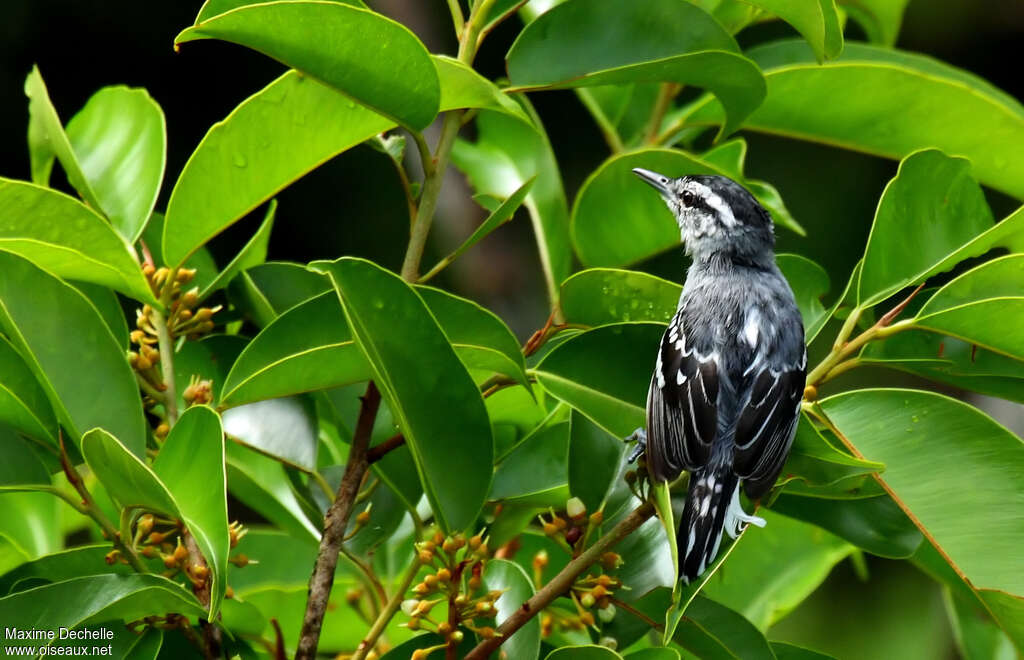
{"type": "Point", "coordinates": [729, 375]}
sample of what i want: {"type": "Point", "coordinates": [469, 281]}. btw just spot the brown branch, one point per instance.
{"type": "Point", "coordinates": [335, 524]}
{"type": "Point", "coordinates": [212, 640]}
{"type": "Point", "coordinates": [562, 582]}
{"type": "Point", "coordinates": [374, 454]}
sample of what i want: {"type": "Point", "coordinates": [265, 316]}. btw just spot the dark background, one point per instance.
{"type": "Point", "coordinates": [353, 204]}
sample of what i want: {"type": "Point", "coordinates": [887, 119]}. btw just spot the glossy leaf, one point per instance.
{"type": "Point", "coordinates": [262, 485]}
{"type": "Point", "coordinates": [880, 19]}
{"type": "Point", "coordinates": [191, 463]}
{"type": "Point", "coordinates": [887, 103]}
{"type": "Point", "coordinates": [267, 142]}
{"type": "Point", "coordinates": [614, 204]}
{"type": "Point", "coordinates": [642, 41]}
{"type": "Point", "coordinates": [328, 41]}
{"type": "Point", "coordinates": [517, 587]}
{"type": "Point", "coordinates": [599, 373]}
{"type": "Point", "coordinates": [930, 209]}
{"type": "Point", "coordinates": [21, 464]}
{"type": "Point", "coordinates": [265, 291]}
{"type": "Point", "coordinates": [594, 457]}
{"type": "Point", "coordinates": [410, 357]}
{"type": "Point", "coordinates": [252, 254]}
{"type": "Point", "coordinates": [969, 306]}
{"type": "Point", "coordinates": [35, 531]}
{"type": "Point", "coordinates": [772, 570]}
{"type": "Point", "coordinates": [213, 8]}
{"type": "Point", "coordinates": [583, 652]}
{"type": "Point", "coordinates": [875, 524]}
{"type": "Point", "coordinates": [96, 598]}
{"type": "Point", "coordinates": [712, 630]}
{"type": "Point", "coordinates": [128, 480]}
{"type": "Point", "coordinates": [976, 635]}
{"type": "Point", "coordinates": [23, 403]}
{"type": "Point", "coordinates": [284, 428]}
{"type": "Point", "coordinates": [307, 348]}
{"type": "Point", "coordinates": [120, 143]}
{"type": "Point", "coordinates": [974, 457]}
{"type": "Point", "coordinates": [508, 153]}
{"type": "Point", "coordinates": [654, 653]}
{"type": "Point", "coordinates": [476, 333]}
{"type": "Point", "coordinates": [535, 472]}
{"type": "Point", "coordinates": [60, 566]}
{"type": "Point", "coordinates": [67, 238]}
{"type": "Point", "coordinates": [816, 20]}
{"type": "Point", "coordinates": [786, 651]}
{"type": "Point", "coordinates": [462, 87]}
{"type": "Point", "coordinates": [66, 344]}
{"type": "Point", "coordinates": [599, 296]}
{"type": "Point", "coordinates": [109, 306]}
{"type": "Point", "coordinates": [817, 469]}
{"type": "Point", "coordinates": [809, 282]}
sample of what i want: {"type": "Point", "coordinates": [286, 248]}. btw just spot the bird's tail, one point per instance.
{"type": "Point", "coordinates": [712, 504]}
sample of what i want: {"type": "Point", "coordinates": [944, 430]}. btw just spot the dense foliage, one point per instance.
{"type": "Point", "coordinates": [414, 481]}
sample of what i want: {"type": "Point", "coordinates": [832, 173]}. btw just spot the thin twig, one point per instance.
{"type": "Point", "coordinates": [622, 605]}
{"type": "Point", "coordinates": [562, 582]}
{"type": "Point", "coordinates": [387, 613]}
{"type": "Point", "coordinates": [666, 93]}
{"type": "Point", "coordinates": [378, 452]}
{"type": "Point", "coordinates": [163, 335]}
{"type": "Point", "coordinates": [335, 524]}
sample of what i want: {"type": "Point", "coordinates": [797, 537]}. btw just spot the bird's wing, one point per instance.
{"type": "Point", "coordinates": [682, 406]}
{"type": "Point", "coordinates": [766, 425]}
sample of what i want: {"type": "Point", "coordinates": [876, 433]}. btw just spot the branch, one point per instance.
{"type": "Point", "coordinates": [378, 452]}
{"type": "Point", "coordinates": [166, 365]}
{"type": "Point", "coordinates": [335, 524]}
{"type": "Point", "coordinates": [562, 582]}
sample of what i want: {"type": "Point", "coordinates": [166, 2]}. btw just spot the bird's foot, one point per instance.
{"type": "Point", "coordinates": [638, 436]}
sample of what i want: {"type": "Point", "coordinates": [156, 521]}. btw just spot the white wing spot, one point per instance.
{"type": "Point", "coordinates": [680, 378]}
{"type": "Point", "coordinates": [752, 327]}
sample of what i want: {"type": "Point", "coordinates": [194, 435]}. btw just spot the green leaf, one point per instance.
{"type": "Point", "coordinates": [977, 636]}
{"type": "Point", "coordinates": [613, 203]}
{"type": "Point", "coordinates": [787, 651]}
{"type": "Point", "coordinates": [772, 570]}
{"type": "Point", "coordinates": [191, 463]}
{"type": "Point", "coordinates": [462, 87]}
{"type": "Point", "coordinates": [931, 208]}
{"type": "Point", "coordinates": [594, 457]}
{"type": "Point", "coordinates": [418, 374]}
{"type": "Point", "coordinates": [508, 153]}
{"type": "Point", "coordinates": [711, 630]}
{"type": "Point", "coordinates": [654, 653]}
{"type": "Point", "coordinates": [983, 306]}
{"type": "Point", "coordinates": [265, 291]}
{"type": "Point", "coordinates": [213, 8]}
{"type": "Point", "coordinates": [510, 578]}
{"type": "Point", "coordinates": [599, 296]}
{"type": "Point", "coordinates": [816, 20]}
{"type": "Point", "coordinates": [919, 433]}
{"type": "Point", "coordinates": [34, 530]}
{"type": "Point", "coordinates": [809, 282]}
{"type": "Point", "coordinates": [309, 347]}
{"type": "Point", "coordinates": [66, 237]}
{"type": "Point", "coordinates": [499, 216]}
{"type": "Point", "coordinates": [329, 41]}
{"type": "Point", "coordinates": [96, 598]}
{"type": "Point", "coordinates": [23, 403]}
{"type": "Point", "coordinates": [283, 428]}
{"type": "Point", "coordinates": [119, 140]}
{"type": "Point", "coordinates": [583, 652]}
{"type": "Point", "coordinates": [824, 470]}
{"type": "Point", "coordinates": [59, 566]}
{"type": "Point", "coordinates": [887, 103]}
{"type": "Point", "coordinates": [21, 464]}
{"type": "Point", "coordinates": [71, 351]}
{"type": "Point", "coordinates": [880, 18]}
{"type": "Point", "coordinates": [272, 138]}
{"type": "Point", "coordinates": [253, 254]}
{"type": "Point", "coordinates": [128, 481]}
{"type": "Point", "coordinates": [479, 337]}
{"type": "Point", "coordinates": [109, 306]}
{"type": "Point", "coordinates": [262, 485]}
{"type": "Point", "coordinates": [535, 472]}
{"type": "Point", "coordinates": [875, 524]}
{"type": "Point", "coordinates": [604, 373]}
{"type": "Point", "coordinates": [641, 41]}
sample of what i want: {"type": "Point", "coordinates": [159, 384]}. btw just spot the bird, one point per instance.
{"type": "Point", "coordinates": [729, 375]}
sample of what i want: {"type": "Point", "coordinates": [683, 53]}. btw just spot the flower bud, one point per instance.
{"type": "Point", "coordinates": [444, 575]}
{"type": "Point", "coordinates": [587, 600]}
{"type": "Point", "coordinates": [413, 624]}
{"type": "Point", "coordinates": [444, 628]}
{"type": "Point", "coordinates": [540, 560]}
{"type": "Point", "coordinates": [610, 561]}
{"type": "Point", "coordinates": [606, 614]}
{"type": "Point", "coordinates": [587, 619]}
{"type": "Point", "coordinates": [597, 517]}
{"type": "Point", "coordinates": [609, 642]}
{"type": "Point", "coordinates": [575, 508]}
{"type": "Point", "coordinates": [162, 430]}
{"type": "Point", "coordinates": [409, 606]}
{"type": "Point", "coordinates": [455, 636]}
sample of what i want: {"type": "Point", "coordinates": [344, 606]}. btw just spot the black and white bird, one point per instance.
{"type": "Point", "coordinates": [729, 375]}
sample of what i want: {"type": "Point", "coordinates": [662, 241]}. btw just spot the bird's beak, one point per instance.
{"type": "Point", "coordinates": [657, 181]}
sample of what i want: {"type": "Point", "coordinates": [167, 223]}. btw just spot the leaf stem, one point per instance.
{"type": "Point", "coordinates": [666, 93]}
{"type": "Point", "coordinates": [458, 21]}
{"type": "Point", "coordinates": [163, 335]}
{"type": "Point", "coordinates": [562, 582]}
{"type": "Point", "coordinates": [387, 613]}
{"type": "Point", "coordinates": [335, 524]}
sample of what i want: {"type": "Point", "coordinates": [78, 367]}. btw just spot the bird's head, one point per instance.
{"type": "Point", "coordinates": [716, 216]}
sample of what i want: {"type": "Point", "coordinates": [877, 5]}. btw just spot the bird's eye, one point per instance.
{"type": "Point", "coordinates": [687, 198]}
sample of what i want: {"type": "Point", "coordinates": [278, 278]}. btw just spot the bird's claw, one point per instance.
{"type": "Point", "coordinates": [640, 437]}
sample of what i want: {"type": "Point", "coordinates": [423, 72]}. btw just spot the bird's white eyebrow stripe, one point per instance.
{"type": "Point", "coordinates": [715, 201]}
